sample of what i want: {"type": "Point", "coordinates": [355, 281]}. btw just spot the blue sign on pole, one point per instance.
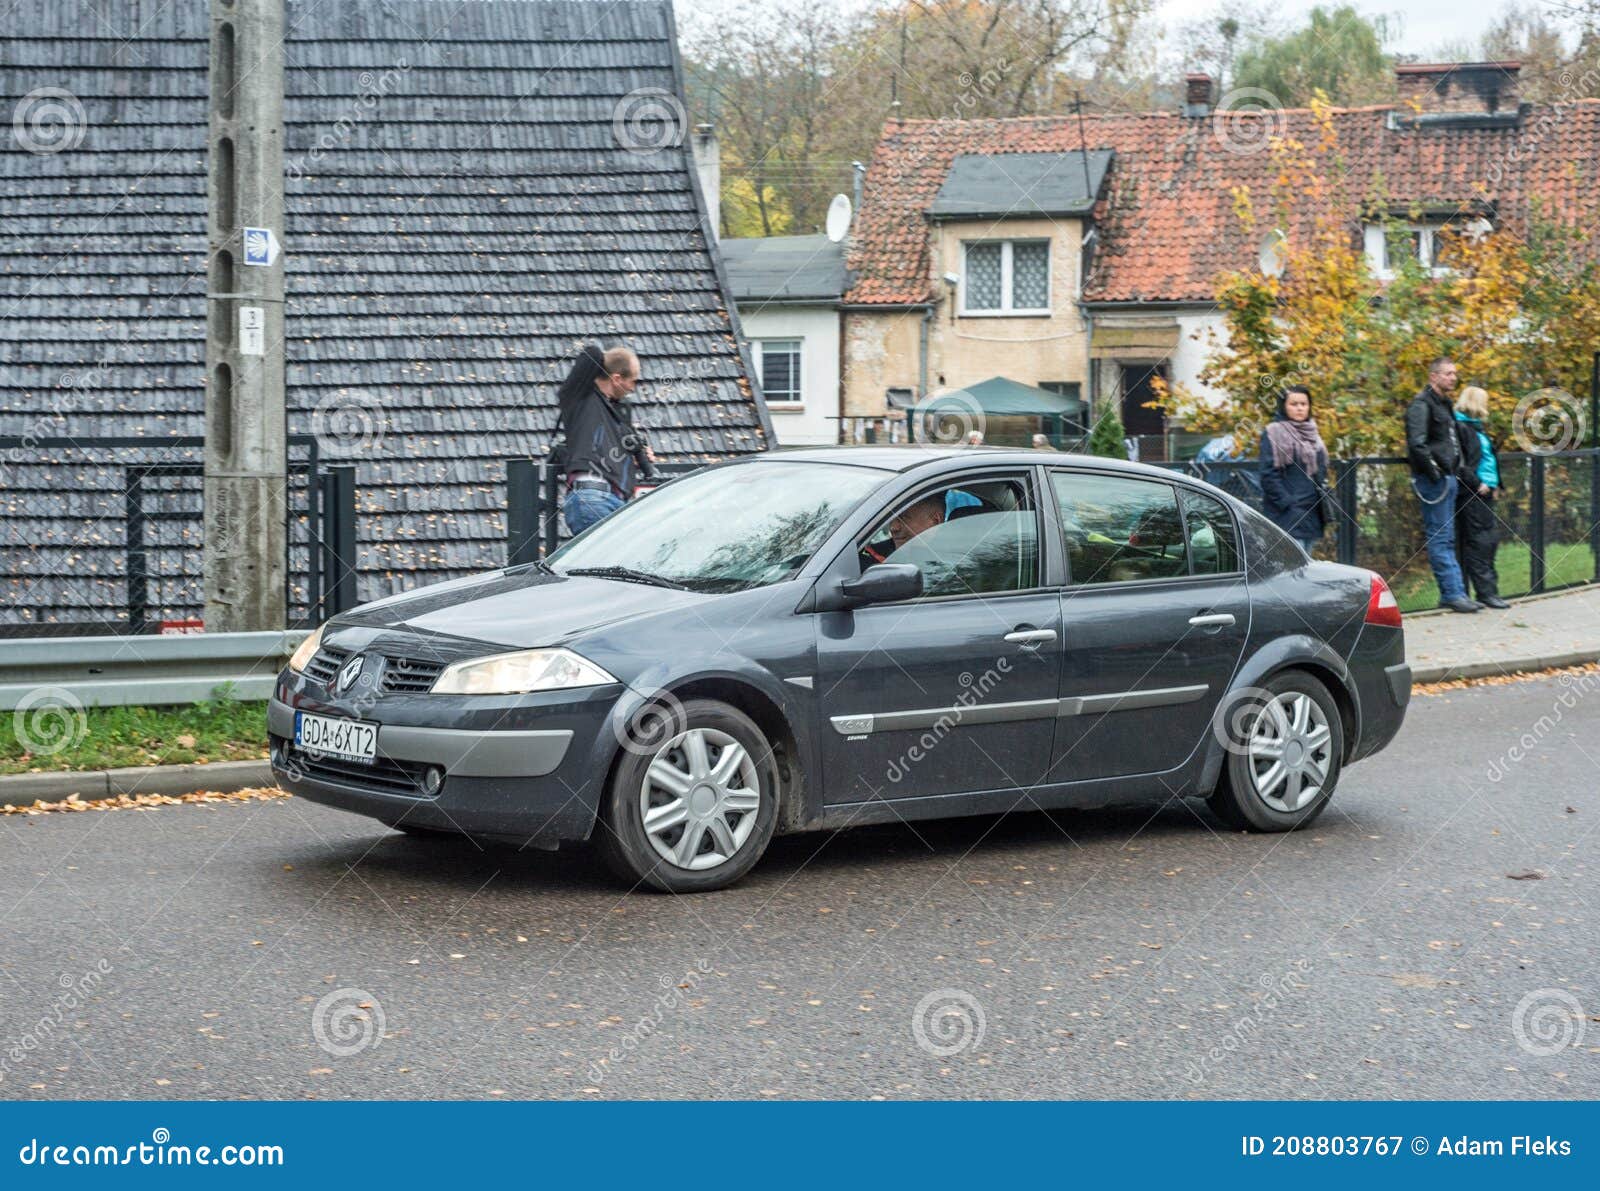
{"type": "Point", "coordinates": [260, 246]}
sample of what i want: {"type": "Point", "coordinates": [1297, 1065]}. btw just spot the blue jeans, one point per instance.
{"type": "Point", "coordinates": [586, 506]}
{"type": "Point", "coordinates": [1439, 522]}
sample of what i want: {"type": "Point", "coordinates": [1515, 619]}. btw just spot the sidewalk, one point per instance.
{"type": "Point", "coordinates": [1535, 633]}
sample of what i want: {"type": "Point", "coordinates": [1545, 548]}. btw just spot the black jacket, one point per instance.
{"type": "Point", "coordinates": [598, 434]}
{"type": "Point", "coordinates": [1291, 497]}
{"type": "Point", "coordinates": [1471, 456]}
{"type": "Point", "coordinates": [1432, 446]}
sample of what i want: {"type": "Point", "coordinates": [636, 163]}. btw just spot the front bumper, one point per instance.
{"type": "Point", "coordinates": [526, 768]}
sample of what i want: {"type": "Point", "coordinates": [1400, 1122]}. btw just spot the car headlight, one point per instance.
{"type": "Point", "coordinates": [308, 649]}
{"type": "Point", "coordinates": [518, 673]}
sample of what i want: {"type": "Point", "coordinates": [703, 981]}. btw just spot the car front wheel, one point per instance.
{"type": "Point", "coordinates": [1285, 745]}
{"type": "Point", "coordinates": [692, 805]}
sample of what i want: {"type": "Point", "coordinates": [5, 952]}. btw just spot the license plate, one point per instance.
{"type": "Point", "coordinates": [352, 740]}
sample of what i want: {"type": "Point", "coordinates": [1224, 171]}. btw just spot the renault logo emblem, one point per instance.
{"type": "Point", "coordinates": [348, 675]}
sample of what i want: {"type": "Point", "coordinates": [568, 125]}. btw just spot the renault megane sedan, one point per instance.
{"type": "Point", "coordinates": [839, 636]}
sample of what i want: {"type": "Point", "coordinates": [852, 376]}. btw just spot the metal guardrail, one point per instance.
{"type": "Point", "coordinates": [146, 671]}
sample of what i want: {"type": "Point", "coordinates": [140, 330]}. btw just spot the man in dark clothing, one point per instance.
{"type": "Point", "coordinates": [1434, 453]}
{"type": "Point", "coordinates": [601, 454]}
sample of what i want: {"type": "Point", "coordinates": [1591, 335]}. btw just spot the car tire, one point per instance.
{"type": "Point", "coordinates": [1290, 720]}
{"type": "Point", "coordinates": [678, 773]}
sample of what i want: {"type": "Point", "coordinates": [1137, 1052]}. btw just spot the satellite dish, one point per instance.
{"type": "Point", "coordinates": [838, 224]}
{"type": "Point", "coordinates": [1274, 253]}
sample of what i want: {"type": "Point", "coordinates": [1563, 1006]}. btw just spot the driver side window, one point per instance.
{"type": "Point", "coordinates": [973, 537]}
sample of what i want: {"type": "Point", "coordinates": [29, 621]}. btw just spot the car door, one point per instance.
{"type": "Point", "coordinates": [1154, 616]}
{"type": "Point", "coordinates": [954, 692]}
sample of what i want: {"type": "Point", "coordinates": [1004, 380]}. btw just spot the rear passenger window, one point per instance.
{"type": "Point", "coordinates": [1118, 529]}
{"type": "Point", "coordinates": [1213, 543]}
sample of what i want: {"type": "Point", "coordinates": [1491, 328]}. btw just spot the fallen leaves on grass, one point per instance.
{"type": "Point", "coordinates": [141, 802]}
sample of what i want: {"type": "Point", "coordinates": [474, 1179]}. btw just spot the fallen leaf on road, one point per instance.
{"type": "Point", "coordinates": [1531, 874]}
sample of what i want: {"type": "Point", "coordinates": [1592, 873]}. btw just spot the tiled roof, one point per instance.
{"type": "Point", "coordinates": [459, 215]}
{"type": "Point", "coordinates": [1169, 225]}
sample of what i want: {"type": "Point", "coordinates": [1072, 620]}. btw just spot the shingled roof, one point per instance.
{"type": "Point", "coordinates": [1169, 224]}
{"type": "Point", "coordinates": [460, 214]}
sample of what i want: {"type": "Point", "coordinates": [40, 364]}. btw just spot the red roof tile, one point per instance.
{"type": "Point", "coordinates": [1170, 225]}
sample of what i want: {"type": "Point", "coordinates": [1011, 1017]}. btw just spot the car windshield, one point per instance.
{"type": "Point", "coordinates": [726, 529]}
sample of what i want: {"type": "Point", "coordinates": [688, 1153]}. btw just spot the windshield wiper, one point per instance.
{"type": "Point", "coordinates": [628, 575]}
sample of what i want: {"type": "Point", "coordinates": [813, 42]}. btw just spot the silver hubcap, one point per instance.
{"type": "Point", "coordinates": [1290, 750]}
{"type": "Point", "coordinates": [699, 799]}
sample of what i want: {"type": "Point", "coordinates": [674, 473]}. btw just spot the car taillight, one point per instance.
{"type": "Point", "coordinates": [1382, 607]}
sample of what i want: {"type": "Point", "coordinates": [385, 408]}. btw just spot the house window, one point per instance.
{"type": "Point", "coordinates": [1005, 277]}
{"type": "Point", "coordinates": [1390, 246]}
{"type": "Point", "coordinates": [780, 370]}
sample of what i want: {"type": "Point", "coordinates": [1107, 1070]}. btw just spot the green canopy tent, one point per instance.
{"type": "Point", "coordinates": [1000, 397]}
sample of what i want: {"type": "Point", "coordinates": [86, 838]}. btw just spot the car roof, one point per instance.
{"type": "Point", "coordinates": [914, 456]}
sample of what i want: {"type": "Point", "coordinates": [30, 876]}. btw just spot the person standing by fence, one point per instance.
{"type": "Point", "coordinates": [599, 452]}
{"type": "Point", "coordinates": [1433, 450]}
{"type": "Point", "coordinates": [1479, 475]}
{"type": "Point", "coordinates": [1294, 468]}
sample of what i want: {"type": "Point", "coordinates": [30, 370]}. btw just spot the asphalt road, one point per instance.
{"type": "Point", "coordinates": [1148, 953]}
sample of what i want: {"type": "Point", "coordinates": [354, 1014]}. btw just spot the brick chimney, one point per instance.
{"type": "Point", "coordinates": [1198, 94]}
{"type": "Point", "coordinates": [1459, 88]}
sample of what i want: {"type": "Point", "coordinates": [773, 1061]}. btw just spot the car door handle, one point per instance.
{"type": "Point", "coordinates": [1031, 636]}
{"type": "Point", "coordinates": [1212, 620]}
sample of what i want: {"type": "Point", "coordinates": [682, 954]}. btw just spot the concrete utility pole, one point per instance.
{"type": "Point", "coordinates": [246, 466]}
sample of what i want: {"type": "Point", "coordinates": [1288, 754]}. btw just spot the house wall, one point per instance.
{"type": "Point", "coordinates": [814, 422]}
{"type": "Point", "coordinates": [880, 354]}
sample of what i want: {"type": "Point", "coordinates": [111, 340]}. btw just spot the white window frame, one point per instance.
{"type": "Point", "coordinates": [783, 403]}
{"type": "Point", "coordinates": [1007, 310]}
{"type": "Point", "coordinates": [1376, 242]}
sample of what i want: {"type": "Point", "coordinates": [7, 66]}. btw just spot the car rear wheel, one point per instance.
{"type": "Point", "coordinates": [1285, 745]}
{"type": "Point", "coordinates": [691, 807]}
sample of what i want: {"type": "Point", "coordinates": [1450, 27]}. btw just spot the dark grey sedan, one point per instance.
{"type": "Point", "coordinates": [841, 636]}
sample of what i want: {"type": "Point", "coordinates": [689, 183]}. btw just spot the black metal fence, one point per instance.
{"type": "Point", "coordinates": [1548, 512]}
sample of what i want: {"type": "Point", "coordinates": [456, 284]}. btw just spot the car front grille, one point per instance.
{"type": "Point", "coordinates": [408, 676]}
{"type": "Point", "coordinates": [324, 665]}
{"type": "Point", "coordinates": [383, 776]}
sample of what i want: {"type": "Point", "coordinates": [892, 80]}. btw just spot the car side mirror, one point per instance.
{"type": "Point", "coordinates": [886, 583]}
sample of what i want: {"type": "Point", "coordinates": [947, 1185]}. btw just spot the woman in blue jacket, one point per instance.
{"type": "Point", "coordinates": [1294, 467]}
{"type": "Point", "coordinates": [1479, 473]}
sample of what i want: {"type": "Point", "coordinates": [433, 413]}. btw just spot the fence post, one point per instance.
{"type": "Point", "coordinates": [137, 564]}
{"type": "Point", "coordinates": [1536, 513]}
{"type": "Point", "coordinates": [549, 507]}
{"type": "Point", "coordinates": [1594, 510]}
{"type": "Point", "coordinates": [522, 512]}
{"type": "Point", "coordinates": [338, 540]}
{"type": "Point", "coordinates": [1344, 493]}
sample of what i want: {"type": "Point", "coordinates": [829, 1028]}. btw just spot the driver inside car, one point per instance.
{"type": "Point", "coordinates": [903, 526]}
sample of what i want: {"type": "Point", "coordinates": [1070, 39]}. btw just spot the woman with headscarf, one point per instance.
{"type": "Point", "coordinates": [1294, 467]}
{"type": "Point", "coordinates": [1479, 474]}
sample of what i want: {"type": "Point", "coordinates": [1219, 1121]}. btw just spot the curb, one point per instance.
{"type": "Point", "coordinates": [24, 789]}
{"type": "Point", "coordinates": [1449, 671]}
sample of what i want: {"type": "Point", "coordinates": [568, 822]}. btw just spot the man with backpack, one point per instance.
{"type": "Point", "coordinates": [599, 453]}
